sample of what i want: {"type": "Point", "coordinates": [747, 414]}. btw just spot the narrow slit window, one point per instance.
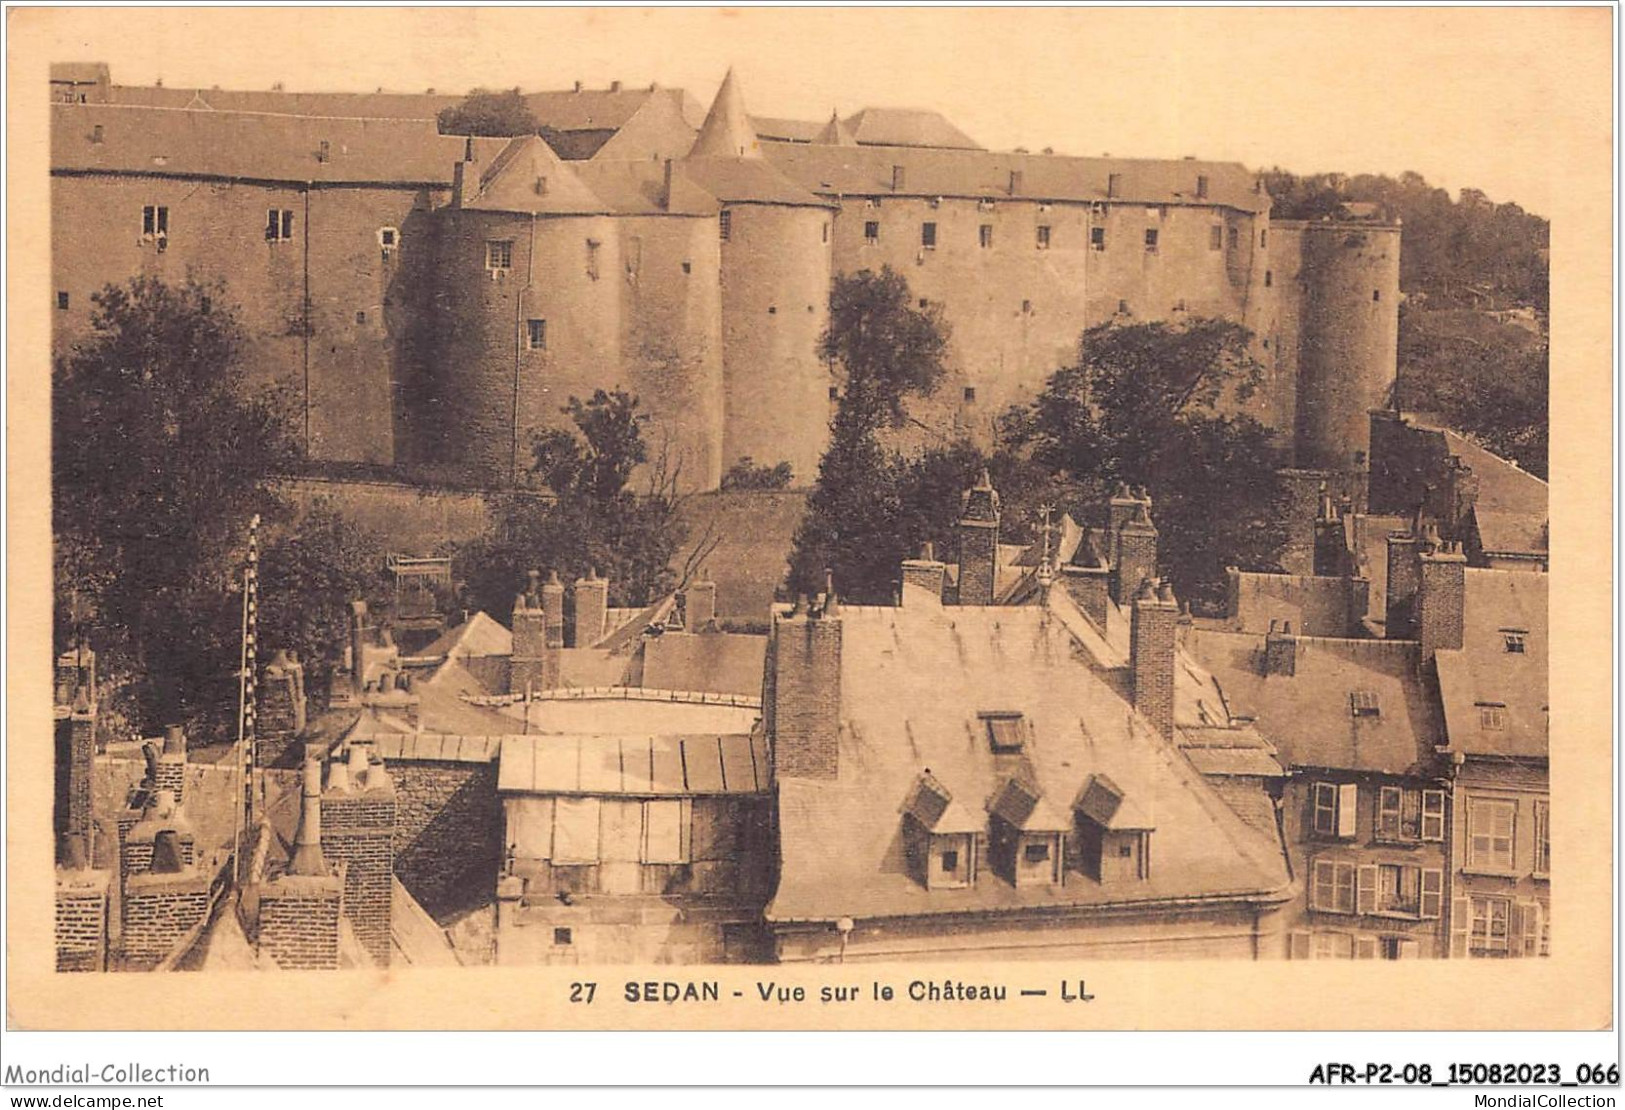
{"type": "Point", "coordinates": [536, 334]}
{"type": "Point", "coordinates": [1151, 237]}
{"type": "Point", "coordinates": [1097, 238]}
{"type": "Point", "coordinates": [928, 236]}
{"type": "Point", "coordinates": [871, 232]}
{"type": "Point", "coordinates": [1043, 237]}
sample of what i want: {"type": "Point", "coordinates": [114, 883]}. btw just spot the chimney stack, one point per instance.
{"type": "Point", "coordinates": [923, 577]}
{"type": "Point", "coordinates": [1015, 182]}
{"type": "Point", "coordinates": [553, 609]}
{"type": "Point", "coordinates": [702, 604]}
{"type": "Point", "coordinates": [589, 601]}
{"type": "Point", "coordinates": [1153, 629]}
{"type": "Point", "coordinates": [979, 543]}
{"type": "Point", "coordinates": [358, 644]}
{"type": "Point", "coordinates": [801, 695]}
{"type": "Point", "coordinates": [1134, 542]}
{"type": "Point", "coordinates": [307, 841]}
{"type": "Point", "coordinates": [1441, 599]}
{"type": "Point", "coordinates": [534, 664]}
{"type": "Point", "coordinates": [1281, 650]}
{"type": "Point", "coordinates": [665, 187]}
{"type": "Point", "coordinates": [1404, 577]}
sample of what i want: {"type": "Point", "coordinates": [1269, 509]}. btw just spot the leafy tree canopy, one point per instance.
{"type": "Point", "coordinates": [159, 449]}
{"type": "Point", "coordinates": [888, 351]}
{"type": "Point", "coordinates": [1145, 405]}
{"type": "Point", "coordinates": [484, 112]}
{"type": "Point", "coordinates": [597, 520]}
{"type": "Point", "coordinates": [747, 474]}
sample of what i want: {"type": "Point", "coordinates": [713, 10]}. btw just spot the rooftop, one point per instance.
{"type": "Point", "coordinates": [1504, 610]}
{"type": "Point", "coordinates": [914, 681]}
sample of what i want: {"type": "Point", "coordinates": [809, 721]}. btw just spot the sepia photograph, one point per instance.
{"type": "Point", "coordinates": [735, 511]}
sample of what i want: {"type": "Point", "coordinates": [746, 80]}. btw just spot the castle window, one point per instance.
{"type": "Point", "coordinates": [1235, 238]}
{"type": "Point", "coordinates": [984, 236]}
{"type": "Point", "coordinates": [688, 267]}
{"type": "Point", "coordinates": [1026, 308]}
{"type": "Point", "coordinates": [871, 232]}
{"type": "Point", "coordinates": [1364, 703]}
{"type": "Point", "coordinates": [361, 317]}
{"type": "Point", "coordinates": [1122, 307]}
{"type": "Point", "coordinates": [834, 393]}
{"type": "Point", "coordinates": [278, 225]}
{"type": "Point", "coordinates": [154, 221]}
{"type": "Point", "coordinates": [970, 394]}
{"type": "Point", "coordinates": [1334, 808]}
{"type": "Point", "coordinates": [1376, 295]}
{"type": "Point", "coordinates": [592, 259]}
{"type": "Point", "coordinates": [1331, 887]}
{"type": "Point", "coordinates": [928, 236]}
{"type": "Point", "coordinates": [1269, 278]}
{"type": "Point", "coordinates": [1043, 237]}
{"type": "Point", "coordinates": [562, 936]}
{"type": "Point", "coordinates": [1215, 238]}
{"type": "Point", "coordinates": [536, 334]}
{"type": "Point", "coordinates": [1492, 717]}
{"type": "Point", "coordinates": [1264, 237]}
{"type": "Point", "coordinates": [499, 254]}
{"type": "Point", "coordinates": [826, 233]}
{"type": "Point", "coordinates": [1514, 640]}
{"type": "Point", "coordinates": [1097, 238]}
{"type": "Point", "coordinates": [1035, 853]}
{"type": "Point", "coordinates": [1491, 824]}
{"type": "Point", "coordinates": [1151, 240]}
{"type": "Point", "coordinates": [871, 202]}
{"type": "Point", "coordinates": [1201, 186]}
{"type": "Point", "coordinates": [388, 238]}
{"type": "Point", "coordinates": [62, 300]}
{"type": "Point", "coordinates": [725, 225]}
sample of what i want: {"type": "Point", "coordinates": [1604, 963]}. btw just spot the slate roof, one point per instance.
{"type": "Point", "coordinates": [907, 127]}
{"type": "Point", "coordinates": [241, 145]}
{"type": "Point", "coordinates": [1309, 715]}
{"type": "Point", "coordinates": [525, 165]}
{"type": "Point", "coordinates": [913, 683]}
{"type": "Point", "coordinates": [1484, 673]}
{"type": "Point", "coordinates": [637, 188]}
{"type": "Point", "coordinates": [747, 181]}
{"type": "Point", "coordinates": [981, 174]}
{"type": "Point", "coordinates": [716, 662]}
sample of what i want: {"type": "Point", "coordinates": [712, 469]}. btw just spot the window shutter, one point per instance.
{"type": "Point", "coordinates": [1432, 891]}
{"type": "Point", "coordinates": [1348, 809]}
{"type": "Point", "coordinates": [1433, 815]}
{"type": "Point", "coordinates": [1515, 926]}
{"type": "Point", "coordinates": [575, 830]}
{"type": "Point", "coordinates": [1366, 894]}
{"type": "Point", "coordinates": [1461, 925]}
{"type": "Point", "coordinates": [1365, 948]}
{"type": "Point", "coordinates": [1530, 940]}
{"type": "Point", "coordinates": [1322, 888]}
{"type": "Point", "coordinates": [1297, 945]}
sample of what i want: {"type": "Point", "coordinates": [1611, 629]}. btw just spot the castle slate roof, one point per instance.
{"type": "Point", "coordinates": [247, 146]}
{"type": "Point", "coordinates": [982, 174]}
{"type": "Point", "coordinates": [1483, 673]}
{"type": "Point", "coordinates": [526, 176]}
{"type": "Point", "coordinates": [916, 127]}
{"type": "Point", "coordinates": [747, 181]}
{"type": "Point", "coordinates": [1309, 715]}
{"type": "Point", "coordinates": [638, 188]}
{"type": "Point", "coordinates": [913, 681]}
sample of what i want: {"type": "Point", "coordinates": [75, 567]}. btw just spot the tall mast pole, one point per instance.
{"type": "Point", "coordinates": [245, 691]}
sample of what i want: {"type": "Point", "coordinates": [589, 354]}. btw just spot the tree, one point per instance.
{"type": "Point", "coordinates": [309, 572]}
{"type": "Point", "coordinates": [159, 449]}
{"type": "Point", "coordinates": [746, 474]}
{"type": "Point", "coordinates": [596, 520]}
{"type": "Point", "coordinates": [1150, 405]}
{"type": "Point", "coordinates": [483, 112]}
{"type": "Point", "coordinates": [887, 351]}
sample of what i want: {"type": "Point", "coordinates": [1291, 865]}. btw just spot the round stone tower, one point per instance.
{"type": "Point", "coordinates": [1348, 346]}
{"type": "Point", "coordinates": [528, 308]}
{"type": "Point", "coordinates": [775, 277]}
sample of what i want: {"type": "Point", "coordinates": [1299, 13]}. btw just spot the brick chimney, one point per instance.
{"type": "Point", "coordinates": [170, 773]}
{"type": "Point", "coordinates": [1404, 578]}
{"type": "Point", "coordinates": [553, 609]}
{"type": "Point", "coordinates": [281, 716]}
{"type": "Point", "coordinates": [1441, 599]}
{"type": "Point", "coordinates": [76, 759]}
{"type": "Point", "coordinates": [979, 543]}
{"type": "Point", "coordinates": [358, 817]}
{"type": "Point", "coordinates": [589, 602]}
{"type": "Point", "coordinates": [299, 910]}
{"type": "Point", "coordinates": [702, 604]}
{"type": "Point", "coordinates": [307, 856]}
{"type": "Point", "coordinates": [534, 665]}
{"type": "Point", "coordinates": [1152, 632]}
{"type": "Point", "coordinates": [1281, 650]}
{"type": "Point", "coordinates": [801, 698]}
{"type": "Point", "coordinates": [1134, 545]}
{"type": "Point", "coordinates": [924, 577]}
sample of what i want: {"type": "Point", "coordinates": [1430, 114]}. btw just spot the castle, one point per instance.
{"type": "Point", "coordinates": [433, 300]}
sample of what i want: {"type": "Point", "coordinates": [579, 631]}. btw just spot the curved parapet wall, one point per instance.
{"type": "Point", "coordinates": [1348, 339]}
{"type": "Point", "coordinates": [775, 306]}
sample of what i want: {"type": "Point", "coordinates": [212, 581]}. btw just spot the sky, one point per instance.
{"type": "Point", "coordinates": [1464, 96]}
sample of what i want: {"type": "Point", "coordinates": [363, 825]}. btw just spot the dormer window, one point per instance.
{"type": "Point", "coordinates": [1027, 836]}
{"type": "Point", "coordinates": [1364, 703]}
{"type": "Point", "coordinates": [1114, 836]}
{"type": "Point", "coordinates": [1006, 730]}
{"type": "Point", "coordinates": [940, 836]}
{"type": "Point", "coordinates": [1514, 640]}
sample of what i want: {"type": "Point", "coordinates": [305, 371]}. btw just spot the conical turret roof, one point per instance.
{"type": "Point", "coordinates": [727, 132]}
{"type": "Point", "coordinates": [835, 133]}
